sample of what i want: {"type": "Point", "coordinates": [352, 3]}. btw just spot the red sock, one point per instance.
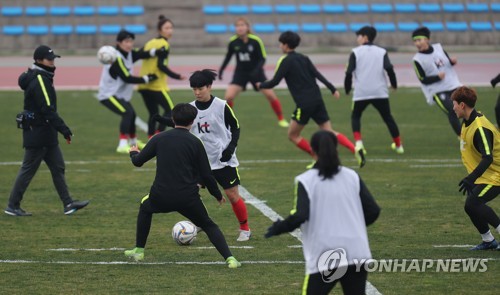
{"type": "Point", "coordinates": [397, 141]}
{"type": "Point", "coordinates": [123, 136]}
{"type": "Point", "coordinates": [276, 105]}
{"type": "Point", "coordinates": [304, 145]}
{"type": "Point", "coordinates": [343, 140]}
{"type": "Point", "coordinates": [230, 103]}
{"type": "Point", "coordinates": [240, 210]}
{"type": "Point", "coordinates": [357, 135]}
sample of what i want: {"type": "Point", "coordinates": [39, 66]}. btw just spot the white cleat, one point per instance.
{"type": "Point", "coordinates": [244, 236]}
{"type": "Point", "coordinates": [397, 149]}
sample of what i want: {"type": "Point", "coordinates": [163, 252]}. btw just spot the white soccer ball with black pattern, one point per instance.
{"type": "Point", "coordinates": [107, 55]}
{"type": "Point", "coordinates": [184, 233]}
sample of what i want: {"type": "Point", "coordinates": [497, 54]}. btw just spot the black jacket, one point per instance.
{"type": "Point", "coordinates": [40, 98]}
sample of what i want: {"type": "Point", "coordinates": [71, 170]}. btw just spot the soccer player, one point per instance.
{"type": "Point", "coordinates": [480, 148]}
{"type": "Point", "coordinates": [217, 126]}
{"type": "Point", "coordinates": [116, 87]}
{"type": "Point", "coordinates": [494, 82]}
{"type": "Point", "coordinates": [332, 208]}
{"type": "Point", "coordinates": [367, 63]}
{"type": "Point", "coordinates": [434, 69]}
{"type": "Point", "coordinates": [156, 93]}
{"type": "Point", "coordinates": [181, 162]}
{"type": "Point", "coordinates": [300, 75]}
{"type": "Point", "coordinates": [250, 58]}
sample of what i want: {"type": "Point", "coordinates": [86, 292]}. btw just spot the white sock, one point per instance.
{"type": "Point", "coordinates": [359, 143]}
{"type": "Point", "coordinates": [133, 141]}
{"type": "Point", "coordinates": [487, 237]}
{"type": "Point", "coordinates": [123, 142]}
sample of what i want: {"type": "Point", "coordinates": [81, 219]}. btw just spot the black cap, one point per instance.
{"type": "Point", "coordinates": [44, 52]}
{"type": "Point", "coordinates": [421, 32]}
{"type": "Point", "coordinates": [124, 34]}
{"type": "Point", "coordinates": [367, 31]}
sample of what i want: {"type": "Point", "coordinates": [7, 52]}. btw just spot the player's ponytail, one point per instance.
{"type": "Point", "coordinates": [324, 145]}
{"type": "Point", "coordinates": [161, 21]}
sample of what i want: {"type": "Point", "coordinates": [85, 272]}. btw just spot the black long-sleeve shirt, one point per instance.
{"type": "Point", "coordinates": [118, 68]}
{"type": "Point", "coordinates": [162, 62]}
{"type": "Point", "coordinates": [300, 75]}
{"type": "Point", "coordinates": [250, 55]}
{"type": "Point", "coordinates": [181, 164]}
{"type": "Point", "coordinates": [426, 80]}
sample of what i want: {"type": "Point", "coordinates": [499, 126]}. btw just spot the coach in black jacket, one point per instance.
{"type": "Point", "coordinates": [41, 122]}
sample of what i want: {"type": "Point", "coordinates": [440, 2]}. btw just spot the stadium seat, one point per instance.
{"type": "Point", "coordinates": [237, 9]}
{"type": "Point", "coordinates": [407, 26]}
{"type": "Point", "coordinates": [83, 10]}
{"type": "Point", "coordinates": [261, 9]}
{"type": "Point", "coordinates": [385, 26]}
{"type": "Point", "coordinates": [457, 26]}
{"type": "Point", "coordinates": [312, 28]}
{"type": "Point", "coordinates": [333, 8]}
{"type": "Point", "coordinates": [110, 29]}
{"type": "Point", "coordinates": [265, 28]}
{"type": "Point", "coordinates": [215, 28]}
{"type": "Point", "coordinates": [434, 26]}
{"type": "Point", "coordinates": [358, 8]}
{"type": "Point", "coordinates": [60, 11]}
{"type": "Point", "coordinates": [285, 9]}
{"type": "Point", "coordinates": [37, 30]}
{"type": "Point", "coordinates": [381, 7]}
{"type": "Point", "coordinates": [13, 30]}
{"type": "Point", "coordinates": [310, 8]}
{"type": "Point", "coordinates": [497, 26]}
{"type": "Point", "coordinates": [481, 26]}
{"type": "Point", "coordinates": [405, 8]}
{"type": "Point", "coordinates": [283, 27]}
{"type": "Point", "coordinates": [429, 7]}
{"type": "Point", "coordinates": [108, 10]}
{"type": "Point", "coordinates": [12, 11]}
{"type": "Point", "coordinates": [133, 10]}
{"type": "Point", "coordinates": [61, 29]}
{"type": "Point", "coordinates": [214, 9]}
{"type": "Point", "coordinates": [453, 7]}
{"type": "Point", "coordinates": [336, 27]}
{"type": "Point", "coordinates": [477, 7]}
{"type": "Point", "coordinates": [356, 26]}
{"type": "Point", "coordinates": [85, 29]}
{"type": "Point", "coordinates": [495, 6]}
{"type": "Point", "coordinates": [35, 10]}
{"type": "Point", "coordinates": [138, 29]}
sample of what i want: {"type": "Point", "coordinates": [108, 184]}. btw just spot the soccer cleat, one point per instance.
{"type": "Point", "coordinates": [310, 166]}
{"type": "Point", "coordinates": [140, 144]}
{"type": "Point", "coordinates": [232, 262]}
{"type": "Point", "coordinates": [359, 153]}
{"type": "Point", "coordinates": [16, 212]}
{"type": "Point", "coordinates": [137, 254]}
{"type": "Point", "coordinates": [123, 149]}
{"type": "Point", "coordinates": [244, 235]}
{"type": "Point", "coordinates": [283, 123]}
{"type": "Point", "coordinates": [397, 149]}
{"type": "Point", "coordinates": [485, 246]}
{"type": "Point", "coordinates": [74, 206]}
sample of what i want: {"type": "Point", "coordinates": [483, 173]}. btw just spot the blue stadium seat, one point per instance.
{"type": "Point", "coordinates": [434, 26]}
{"type": "Point", "coordinates": [356, 26]}
{"type": "Point", "coordinates": [85, 29]}
{"type": "Point", "coordinates": [285, 9]}
{"type": "Point", "coordinates": [405, 7]}
{"type": "Point", "coordinates": [310, 8]}
{"type": "Point", "coordinates": [336, 27]}
{"type": "Point", "coordinates": [237, 9]}
{"type": "Point", "coordinates": [108, 10]}
{"type": "Point", "coordinates": [333, 8]}
{"type": "Point", "coordinates": [109, 29]}
{"type": "Point", "coordinates": [138, 29]}
{"type": "Point", "coordinates": [60, 11]}
{"type": "Point", "coordinates": [83, 10]}
{"type": "Point", "coordinates": [429, 7]}
{"type": "Point", "coordinates": [457, 26]}
{"type": "Point", "coordinates": [12, 11]}
{"type": "Point", "coordinates": [261, 9]}
{"type": "Point", "coordinates": [481, 26]}
{"type": "Point", "coordinates": [214, 9]}
{"type": "Point", "coordinates": [381, 8]}
{"type": "Point", "coordinates": [357, 8]}
{"type": "Point", "coordinates": [288, 27]}
{"type": "Point", "coordinates": [13, 30]}
{"type": "Point", "coordinates": [407, 26]}
{"type": "Point", "coordinates": [385, 27]}
{"type": "Point", "coordinates": [133, 10]}
{"type": "Point", "coordinates": [215, 28]}
{"type": "Point", "coordinates": [265, 28]}
{"type": "Point", "coordinates": [477, 7]}
{"type": "Point", "coordinates": [231, 28]}
{"type": "Point", "coordinates": [61, 29]}
{"type": "Point", "coordinates": [453, 7]}
{"type": "Point", "coordinates": [495, 6]}
{"type": "Point", "coordinates": [37, 30]}
{"type": "Point", "coordinates": [312, 28]}
{"type": "Point", "coordinates": [35, 10]}
{"type": "Point", "coordinates": [497, 26]}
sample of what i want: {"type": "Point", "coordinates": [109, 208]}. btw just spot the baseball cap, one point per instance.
{"type": "Point", "coordinates": [421, 32]}
{"type": "Point", "coordinates": [44, 52]}
{"type": "Point", "coordinates": [367, 31]}
{"type": "Point", "coordinates": [124, 34]}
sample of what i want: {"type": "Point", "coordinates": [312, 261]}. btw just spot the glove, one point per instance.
{"type": "Point", "coordinates": [67, 135]}
{"type": "Point", "coordinates": [494, 81]}
{"type": "Point", "coordinates": [162, 52]}
{"type": "Point", "coordinates": [466, 186]}
{"type": "Point", "coordinates": [273, 230]}
{"type": "Point", "coordinates": [149, 78]}
{"type": "Point", "coordinates": [163, 120]}
{"type": "Point", "coordinates": [220, 75]}
{"type": "Point", "coordinates": [227, 153]}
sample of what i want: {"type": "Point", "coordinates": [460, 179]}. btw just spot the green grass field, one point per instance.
{"type": "Point", "coordinates": [417, 191]}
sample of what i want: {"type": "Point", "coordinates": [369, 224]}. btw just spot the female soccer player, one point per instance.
{"type": "Point", "coordinates": [250, 58]}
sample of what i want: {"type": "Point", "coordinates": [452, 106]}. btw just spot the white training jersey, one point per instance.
{"type": "Point", "coordinates": [369, 76]}
{"type": "Point", "coordinates": [432, 64]}
{"type": "Point", "coordinates": [210, 127]}
{"type": "Point", "coordinates": [336, 218]}
{"type": "Point", "coordinates": [108, 86]}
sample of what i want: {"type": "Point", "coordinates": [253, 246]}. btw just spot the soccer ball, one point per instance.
{"type": "Point", "coordinates": [107, 54]}
{"type": "Point", "coordinates": [184, 233]}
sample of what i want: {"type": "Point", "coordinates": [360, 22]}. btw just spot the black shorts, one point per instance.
{"type": "Point", "coordinates": [227, 177]}
{"type": "Point", "coordinates": [241, 78]}
{"type": "Point", "coordinates": [316, 112]}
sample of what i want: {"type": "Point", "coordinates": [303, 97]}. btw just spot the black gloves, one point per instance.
{"type": "Point", "coordinates": [466, 186]}
{"type": "Point", "coordinates": [220, 75]}
{"type": "Point", "coordinates": [67, 134]}
{"type": "Point", "coordinates": [149, 78]}
{"type": "Point", "coordinates": [227, 153]}
{"type": "Point", "coordinates": [163, 120]}
{"type": "Point", "coordinates": [494, 81]}
{"type": "Point", "coordinates": [162, 52]}
{"type": "Point", "coordinates": [273, 230]}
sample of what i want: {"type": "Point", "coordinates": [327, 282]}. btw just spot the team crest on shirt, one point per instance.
{"type": "Point", "coordinates": [439, 63]}
{"type": "Point", "coordinates": [236, 48]}
{"type": "Point", "coordinates": [250, 48]}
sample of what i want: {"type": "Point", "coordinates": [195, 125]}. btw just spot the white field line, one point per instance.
{"type": "Point", "coordinates": [121, 249]}
{"type": "Point", "coordinates": [271, 214]}
{"type": "Point", "coordinates": [150, 263]}
{"type": "Point", "coordinates": [453, 246]}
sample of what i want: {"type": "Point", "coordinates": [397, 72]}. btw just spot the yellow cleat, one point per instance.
{"type": "Point", "coordinates": [283, 123]}
{"type": "Point", "coordinates": [137, 254]}
{"type": "Point", "coordinates": [397, 149]}
{"type": "Point", "coordinates": [232, 262]}
{"type": "Point", "coordinates": [123, 149]}
{"type": "Point", "coordinates": [140, 144]}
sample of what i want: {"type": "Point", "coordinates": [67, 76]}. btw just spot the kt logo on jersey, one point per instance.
{"type": "Point", "coordinates": [203, 128]}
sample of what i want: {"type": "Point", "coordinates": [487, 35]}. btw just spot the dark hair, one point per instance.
{"type": "Point", "coordinates": [421, 32]}
{"type": "Point", "coordinates": [202, 78]}
{"type": "Point", "coordinates": [184, 114]}
{"type": "Point", "coordinates": [124, 34]}
{"type": "Point", "coordinates": [368, 31]}
{"type": "Point", "coordinates": [466, 95]}
{"type": "Point", "coordinates": [290, 38]}
{"type": "Point", "coordinates": [161, 21]}
{"type": "Point", "coordinates": [324, 144]}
